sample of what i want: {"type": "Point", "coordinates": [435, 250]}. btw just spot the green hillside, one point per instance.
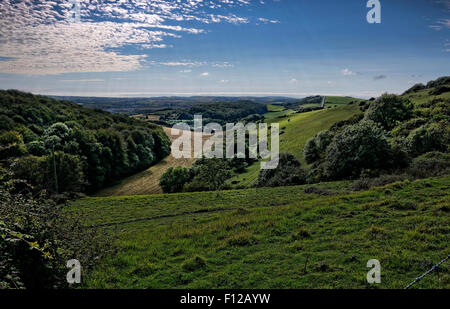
{"type": "Point", "coordinates": [295, 131]}
{"type": "Point", "coordinates": [275, 237]}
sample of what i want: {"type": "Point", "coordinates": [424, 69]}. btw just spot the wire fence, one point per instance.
{"type": "Point", "coordinates": [427, 273]}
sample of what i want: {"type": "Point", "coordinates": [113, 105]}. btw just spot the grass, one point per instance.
{"type": "Point", "coordinates": [298, 128]}
{"type": "Point", "coordinates": [275, 237]}
{"type": "Point", "coordinates": [275, 108]}
{"type": "Point", "coordinates": [333, 100]}
{"type": "Point", "coordinates": [424, 96]}
{"type": "Point", "coordinates": [147, 182]}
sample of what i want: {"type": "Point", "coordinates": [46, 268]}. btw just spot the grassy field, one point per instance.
{"type": "Point", "coordinates": [147, 182]}
{"type": "Point", "coordinates": [333, 100]}
{"type": "Point", "coordinates": [275, 237]}
{"type": "Point", "coordinates": [298, 128]}
{"type": "Point", "coordinates": [424, 96]}
{"type": "Point", "coordinates": [275, 108]}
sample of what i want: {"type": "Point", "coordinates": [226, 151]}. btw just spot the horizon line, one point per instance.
{"type": "Point", "coordinates": [297, 95]}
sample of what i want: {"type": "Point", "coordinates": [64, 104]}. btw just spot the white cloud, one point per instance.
{"type": "Point", "coordinates": [268, 21]}
{"type": "Point", "coordinates": [37, 37]}
{"type": "Point", "coordinates": [204, 74]}
{"type": "Point", "coordinates": [347, 72]}
{"type": "Point", "coordinates": [191, 64]}
{"type": "Point", "coordinates": [183, 63]}
{"type": "Point", "coordinates": [223, 65]}
{"type": "Point", "coordinates": [82, 80]}
{"type": "Point", "coordinates": [441, 24]}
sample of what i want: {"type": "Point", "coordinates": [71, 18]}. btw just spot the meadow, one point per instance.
{"type": "Point", "coordinates": [296, 129]}
{"type": "Point", "coordinates": [317, 236]}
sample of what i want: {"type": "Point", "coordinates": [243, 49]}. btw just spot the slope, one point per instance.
{"type": "Point", "coordinates": [275, 237]}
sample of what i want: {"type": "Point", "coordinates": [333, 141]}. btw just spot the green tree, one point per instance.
{"type": "Point", "coordinates": [31, 169]}
{"type": "Point", "coordinates": [69, 173]}
{"type": "Point", "coordinates": [357, 147]}
{"type": "Point", "coordinates": [212, 173]}
{"type": "Point", "coordinates": [288, 173]}
{"type": "Point", "coordinates": [174, 179]}
{"type": "Point", "coordinates": [11, 145]}
{"type": "Point", "coordinates": [36, 148]}
{"type": "Point", "coordinates": [315, 147]}
{"type": "Point", "coordinates": [429, 137]}
{"type": "Point", "coordinates": [389, 110]}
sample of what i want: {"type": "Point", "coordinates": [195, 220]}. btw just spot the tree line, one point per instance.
{"type": "Point", "coordinates": [59, 146]}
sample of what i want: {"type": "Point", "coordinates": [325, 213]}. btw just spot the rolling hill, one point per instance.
{"type": "Point", "coordinates": [310, 236]}
{"type": "Point", "coordinates": [274, 237]}
{"type": "Point", "coordinates": [147, 182]}
{"type": "Point", "coordinates": [296, 129]}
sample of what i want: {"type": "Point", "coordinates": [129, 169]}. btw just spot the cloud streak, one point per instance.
{"type": "Point", "coordinates": [38, 37]}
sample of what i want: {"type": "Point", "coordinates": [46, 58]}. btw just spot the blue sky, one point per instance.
{"type": "Point", "coordinates": [224, 47]}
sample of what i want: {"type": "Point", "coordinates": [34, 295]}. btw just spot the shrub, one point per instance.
{"type": "Point", "coordinates": [440, 90]}
{"type": "Point", "coordinates": [174, 179]}
{"type": "Point", "coordinates": [36, 148]}
{"type": "Point", "coordinates": [365, 183]}
{"type": "Point", "coordinates": [315, 147]}
{"type": "Point", "coordinates": [316, 190]}
{"type": "Point", "coordinates": [357, 147]}
{"type": "Point", "coordinates": [287, 173]}
{"type": "Point", "coordinates": [389, 110]}
{"type": "Point", "coordinates": [405, 128]}
{"type": "Point", "coordinates": [31, 169]}
{"type": "Point", "coordinates": [430, 164]}
{"type": "Point", "coordinates": [301, 233]}
{"type": "Point", "coordinates": [341, 124]}
{"type": "Point", "coordinates": [37, 239]}
{"type": "Point", "coordinates": [11, 145]}
{"type": "Point", "coordinates": [429, 137]}
{"type": "Point", "coordinates": [415, 88]}
{"type": "Point", "coordinates": [210, 174]}
{"type": "Point", "coordinates": [6, 123]}
{"type": "Point", "coordinates": [311, 152]}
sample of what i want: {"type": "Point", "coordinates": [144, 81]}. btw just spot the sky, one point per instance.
{"type": "Point", "coordinates": [294, 48]}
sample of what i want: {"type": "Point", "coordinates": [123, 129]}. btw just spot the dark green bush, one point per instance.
{"type": "Point", "coordinates": [429, 137]}
{"type": "Point", "coordinates": [288, 173]}
{"type": "Point", "coordinates": [430, 164]}
{"type": "Point", "coordinates": [174, 179]}
{"type": "Point", "coordinates": [37, 239]}
{"type": "Point", "coordinates": [315, 147]}
{"type": "Point", "coordinates": [357, 147]}
{"type": "Point", "coordinates": [389, 110]}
